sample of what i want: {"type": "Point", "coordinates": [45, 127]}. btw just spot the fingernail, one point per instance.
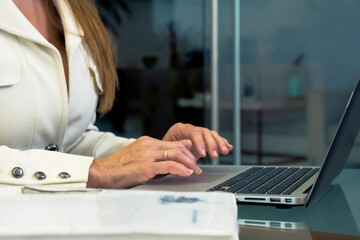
{"type": "Point", "coordinates": [203, 153]}
{"type": "Point", "coordinates": [199, 169]}
{"type": "Point", "coordinates": [215, 153]}
{"type": "Point", "coordinates": [189, 171]}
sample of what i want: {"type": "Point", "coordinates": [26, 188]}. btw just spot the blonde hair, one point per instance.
{"type": "Point", "coordinates": [98, 45]}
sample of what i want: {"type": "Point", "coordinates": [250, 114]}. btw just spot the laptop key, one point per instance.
{"type": "Point", "coordinates": [228, 183]}
{"type": "Point", "coordinates": [236, 187]}
{"type": "Point", "coordinates": [275, 181]}
{"type": "Point", "coordinates": [289, 181]}
{"type": "Point", "coordinates": [272, 174]}
{"type": "Point", "coordinates": [301, 181]}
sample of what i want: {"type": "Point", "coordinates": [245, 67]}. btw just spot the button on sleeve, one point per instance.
{"type": "Point", "coordinates": [17, 172]}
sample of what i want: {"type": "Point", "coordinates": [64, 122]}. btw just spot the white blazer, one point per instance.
{"type": "Point", "coordinates": [37, 110]}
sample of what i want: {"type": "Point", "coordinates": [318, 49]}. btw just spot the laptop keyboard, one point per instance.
{"type": "Point", "coordinates": [267, 180]}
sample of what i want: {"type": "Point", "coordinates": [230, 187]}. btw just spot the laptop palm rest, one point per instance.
{"type": "Point", "coordinates": [209, 178]}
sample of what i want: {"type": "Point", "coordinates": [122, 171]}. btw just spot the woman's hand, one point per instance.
{"type": "Point", "coordinates": [147, 157]}
{"type": "Point", "coordinates": [142, 160]}
{"type": "Point", "coordinates": [203, 140]}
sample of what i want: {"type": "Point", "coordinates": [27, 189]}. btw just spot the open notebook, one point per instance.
{"type": "Point", "coordinates": [46, 212]}
{"type": "Point", "coordinates": [280, 185]}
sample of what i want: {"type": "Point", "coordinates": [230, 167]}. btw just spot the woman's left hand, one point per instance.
{"type": "Point", "coordinates": [203, 140]}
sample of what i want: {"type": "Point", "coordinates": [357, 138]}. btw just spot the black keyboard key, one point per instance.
{"type": "Point", "coordinates": [228, 183]}
{"type": "Point", "coordinates": [275, 181]}
{"type": "Point", "coordinates": [236, 187]}
{"type": "Point", "coordinates": [289, 181]}
{"type": "Point", "coordinates": [301, 181]}
{"type": "Point", "coordinates": [262, 180]}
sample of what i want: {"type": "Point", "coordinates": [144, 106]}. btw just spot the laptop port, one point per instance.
{"type": "Point", "coordinates": [288, 200]}
{"type": "Point", "coordinates": [254, 199]}
{"type": "Point", "coordinates": [275, 200]}
{"type": "Point", "coordinates": [288, 225]}
{"type": "Point", "coordinates": [253, 222]}
{"type": "Point", "coordinates": [275, 224]}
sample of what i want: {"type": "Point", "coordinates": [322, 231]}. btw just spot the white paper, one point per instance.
{"type": "Point", "coordinates": [120, 212]}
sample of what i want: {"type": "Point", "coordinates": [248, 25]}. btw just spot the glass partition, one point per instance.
{"type": "Point", "coordinates": [299, 63]}
{"type": "Point", "coordinates": [298, 67]}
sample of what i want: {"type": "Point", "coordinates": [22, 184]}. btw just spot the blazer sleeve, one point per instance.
{"type": "Point", "coordinates": [42, 167]}
{"type": "Point", "coordinates": [97, 144]}
{"type": "Point", "coordinates": [37, 166]}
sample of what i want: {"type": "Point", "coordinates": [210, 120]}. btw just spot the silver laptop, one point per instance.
{"type": "Point", "coordinates": [278, 185]}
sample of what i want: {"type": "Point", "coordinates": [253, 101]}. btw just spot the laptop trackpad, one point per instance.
{"type": "Point", "coordinates": [202, 178]}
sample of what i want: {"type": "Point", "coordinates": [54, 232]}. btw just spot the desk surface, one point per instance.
{"type": "Point", "coordinates": [336, 215]}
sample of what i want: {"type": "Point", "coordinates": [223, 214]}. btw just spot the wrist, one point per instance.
{"type": "Point", "coordinates": [94, 176]}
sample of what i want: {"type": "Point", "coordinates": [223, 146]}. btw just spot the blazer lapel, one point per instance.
{"type": "Point", "coordinates": [14, 22]}
{"type": "Point", "coordinates": [72, 32]}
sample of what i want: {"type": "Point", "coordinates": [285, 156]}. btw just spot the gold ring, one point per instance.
{"type": "Point", "coordinates": [165, 155]}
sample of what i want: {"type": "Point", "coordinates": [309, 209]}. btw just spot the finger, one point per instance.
{"type": "Point", "coordinates": [187, 143]}
{"type": "Point", "coordinates": [211, 144]}
{"type": "Point", "coordinates": [192, 154]}
{"type": "Point", "coordinates": [171, 167]}
{"type": "Point", "coordinates": [176, 151]}
{"type": "Point", "coordinates": [182, 156]}
{"type": "Point", "coordinates": [174, 144]}
{"type": "Point", "coordinates": [221, 142]}
{"type": "Point", "coordinates": [199, 143]}
{"type": "Point", "coordinates": [195, 156]}
{"type": "Point", "coordinates": [183, 145]}
{"type": "Point", "coordinates": [229, 146]}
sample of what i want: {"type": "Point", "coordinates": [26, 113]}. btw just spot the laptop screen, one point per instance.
{"type": "Point", "coordinates": [340, 146]}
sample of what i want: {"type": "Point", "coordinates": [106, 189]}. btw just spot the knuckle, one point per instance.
{"type": "Point", "coordinates": [142, 138]}
{"type": "Point", "coordinates": [146, 140]}
{"type": "Point", "coordinates": [196, 131]}
{"type": "Point", "coordinates": [176, 152]}
{"type": "Point", "coordinates": [208, 131]}
{"type": "Point", "coordinates": [213, 132]}
{"type": "Point", "coordinates": [201, 129]}
{"type": "Point", "coordinates": [180, 146]}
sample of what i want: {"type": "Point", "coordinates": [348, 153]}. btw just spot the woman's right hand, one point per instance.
{"type": "Point", "coordinates": [142, 160]}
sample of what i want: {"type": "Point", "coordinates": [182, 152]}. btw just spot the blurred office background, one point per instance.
{"type": "Point", "coordinates": [299, 61]}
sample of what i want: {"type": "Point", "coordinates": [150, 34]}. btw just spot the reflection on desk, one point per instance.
{"type": "Point", "coordinates": [251, 232]}
{"type": "Point", "coordinates": [336, 215]}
